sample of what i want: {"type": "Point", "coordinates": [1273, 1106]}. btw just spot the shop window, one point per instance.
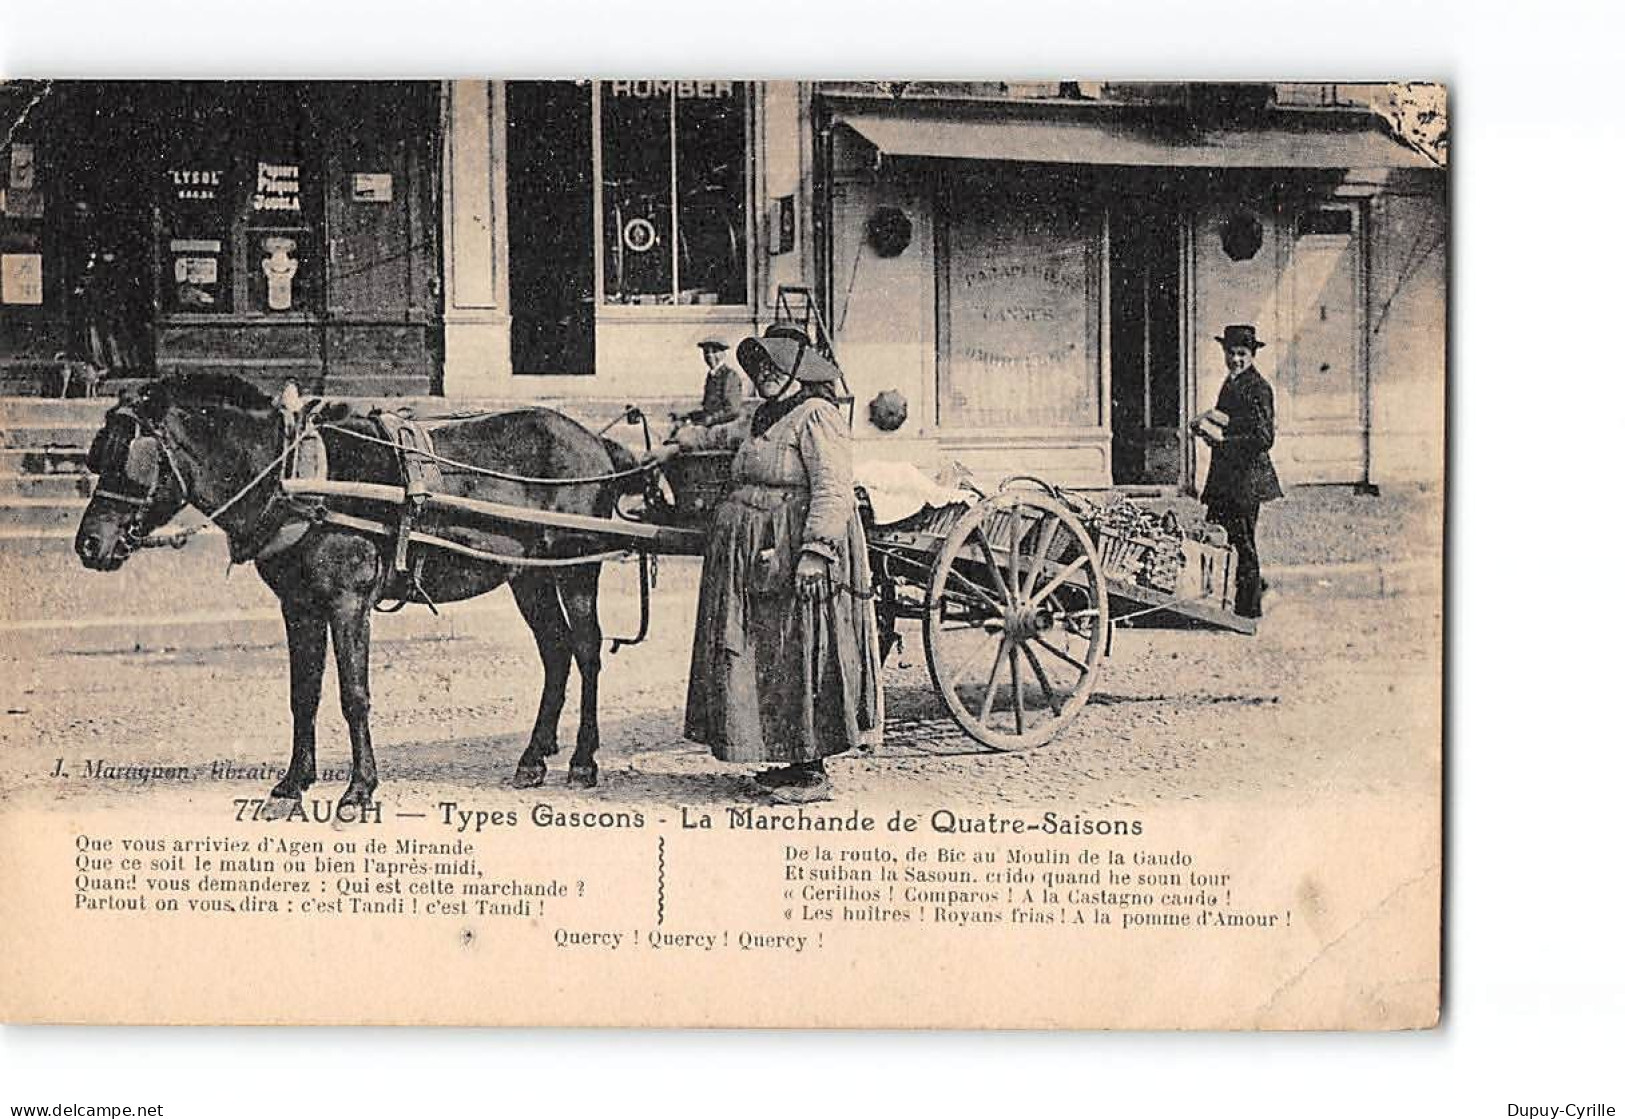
{"type": "Point", "coordinates": [241, 203]}
{"type": "Point", "coordinates": [623, 193]}
{"type": "Point", "coordinates": [22, 214]}
{"type": "Point", "coordinates": [673, 192]}
{"type": "Point", "coordinates": [196, 261]}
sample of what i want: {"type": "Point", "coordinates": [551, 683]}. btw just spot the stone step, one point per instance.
{"type": "Point", "coordinates": [49, 434]}
{"type": "Point", "coordinates": [44, 483]}
{"type": "Point", "coordinates": [46, 410]}
{"type": "Point", "coordinates": [37, 460]}
{"type": "Point", "coordinates": [16, 541]}
{"type": "Point", "coordinates": [41, 525]}
{"type": "Point", "coordinates": [47, 513]}
{"type": "Point", "coordinates": [47, 439]}
{"type": "Point", "coordinates": [392, 385]}
{"type": "Point", "coordinates": [43, 412]}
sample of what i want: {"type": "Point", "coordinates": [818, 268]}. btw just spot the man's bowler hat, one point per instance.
{"type": "Point", "coordinates": [1239, 335]}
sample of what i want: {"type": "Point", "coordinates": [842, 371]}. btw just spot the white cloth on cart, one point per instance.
{"type": "Point", "coordinates": [898, 490]}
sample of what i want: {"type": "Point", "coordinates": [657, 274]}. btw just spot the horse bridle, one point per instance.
{"type": "Point", "coordinates": [144, 454]}
{"type": "Point", "coordinates": [133, 536]}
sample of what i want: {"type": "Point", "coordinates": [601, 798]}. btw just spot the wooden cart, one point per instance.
{"type": "Point", "coordinates": [1018, 595]}
{"type": "Point", "coordinates": [1014, 596]}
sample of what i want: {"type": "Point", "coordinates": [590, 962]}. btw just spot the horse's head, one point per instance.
{"type": "Point", "coordinates": [139, 486]}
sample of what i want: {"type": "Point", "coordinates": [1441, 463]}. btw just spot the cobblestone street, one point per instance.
{"type": "Point", "coordinates": [1336, 696]}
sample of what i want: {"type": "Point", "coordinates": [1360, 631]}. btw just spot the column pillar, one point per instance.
{"type": "Point", "coordinates": [475, 213]}
{"type": "Point", "coordinates": [784, 147]}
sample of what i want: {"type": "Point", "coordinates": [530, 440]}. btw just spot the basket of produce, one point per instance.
{"type": "Point", "coordinates": [1122, 557]}
{"type": "Point", "coordinates": [1136, 546]}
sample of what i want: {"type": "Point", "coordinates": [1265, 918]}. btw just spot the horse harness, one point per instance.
{"type": "Point", "coordinates": [287, 517]}
{"type": "Point", "coordinates": [144, 453]}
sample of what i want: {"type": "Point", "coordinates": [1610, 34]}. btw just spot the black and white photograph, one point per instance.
{"type": "Point", "coordinates": [806, 559]}
{"type": "Point", "coordinates": [743, 524]}
{"type": "Point", "coordinates": [642, 528]}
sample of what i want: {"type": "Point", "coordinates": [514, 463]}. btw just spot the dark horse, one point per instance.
{"type": "Point", "coordinates": [202, 440]}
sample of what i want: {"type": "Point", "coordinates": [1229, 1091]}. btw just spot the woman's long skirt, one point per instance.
{"type": "Point", "coordinates": [773, 678]}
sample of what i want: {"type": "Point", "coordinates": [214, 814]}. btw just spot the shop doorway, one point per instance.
{"type": "Point", "coordinates": [550, 226]}
{"type": "Point", "coordinates": [1146, 362]}
{"type": "Point", "coordinates": [1321, 388]}
{"type": "Point", "coordinates": [105, 228]}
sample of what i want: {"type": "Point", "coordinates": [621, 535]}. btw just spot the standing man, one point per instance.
{"type": "Point", "coordinates": [1241, 477]}
{"type": "Point", "coordinates": [724, 390]}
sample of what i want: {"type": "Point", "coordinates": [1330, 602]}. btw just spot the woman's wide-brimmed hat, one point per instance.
{"type": "Point", "coordinates": [713, 342]}
{"type": "Point", "coordinates": [794, 356]}
{"type": "Point", "coordinates": [786, 330]}
{"type": "Point", "coordinates": [1239, 335]}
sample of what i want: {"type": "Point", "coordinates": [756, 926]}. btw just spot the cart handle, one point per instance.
{"type": "Point", "coordinates": [633, 415]}
{"type": "Point", "coordinates": [1082, 506]}
{"type": "Point", "coordinates": [1027, 479]}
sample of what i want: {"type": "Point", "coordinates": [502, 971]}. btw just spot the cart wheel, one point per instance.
{"type": "Point", "coordinates": [877, 735]}
{"type": "Point", "coordinates": [1014, 635]}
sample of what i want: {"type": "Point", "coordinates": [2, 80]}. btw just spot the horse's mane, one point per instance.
{"type": "Point", "coordinates": [212, 388]}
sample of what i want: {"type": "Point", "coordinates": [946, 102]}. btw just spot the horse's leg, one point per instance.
{"type": "Point", "coordinates": [307, 658]}
{"type": "Point", "coordinates": [352, 640]}
{"type": "Point", "coordinates": [580, 590]}
{"type": "Point", "coordinates": [538, 601]}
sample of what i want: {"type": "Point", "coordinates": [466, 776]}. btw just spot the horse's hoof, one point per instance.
{"type": "Point", "coordinates": [278, 809]}
{"type": "Point", "coordinates": [583, 777]}
{"type": "Point", "coordinates": [356, 796]}
{"type": "Point", "coordinates": [289, 790]}
{"type": "Point", "coordinates": [529, 776]}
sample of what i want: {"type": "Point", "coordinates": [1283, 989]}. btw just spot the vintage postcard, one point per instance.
{"type": "Point", "coordinates": [722, 553]}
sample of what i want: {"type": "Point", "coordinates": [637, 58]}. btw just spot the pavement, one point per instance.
{"type": "Point", "coordinates": [1335, 698]}
{"type": "Point", "coordinates": [170, 663]}
{"type": "Point", "coordinates": [1319, 541]}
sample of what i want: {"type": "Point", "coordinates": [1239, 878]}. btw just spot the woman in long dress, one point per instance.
{"type": "Point", "coordinates": [785, 667]}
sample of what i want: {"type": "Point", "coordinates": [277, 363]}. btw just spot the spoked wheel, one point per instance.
{"type": "Point", "coordinates": [1015, 621]}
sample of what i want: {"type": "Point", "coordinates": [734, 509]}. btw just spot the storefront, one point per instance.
{"type": "Point", "coordinates": [1036, 269]}
{"type": "Point", "coordinates": [1041, 279]}
{"type": "Point", "coordinates": [74, 229]}
{"type": "Point", "coordinates": [277, 230]}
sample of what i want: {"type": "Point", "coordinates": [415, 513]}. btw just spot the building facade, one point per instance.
{"type": "Point", "coordinates": [1038, 269]}
{"type": "Point", "coordinates": [595, 232]}
{"type": "Point", "coordinates": [271, 229]}
{"type": "Point", "coordinates": [1071, 253]}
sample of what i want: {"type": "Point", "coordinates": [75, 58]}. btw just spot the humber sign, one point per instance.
{"type": "Point", "coordinates": [650, 89]}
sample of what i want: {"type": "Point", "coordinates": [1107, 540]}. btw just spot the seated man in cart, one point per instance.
{"type": "Point", "coordinates": [724, 393]}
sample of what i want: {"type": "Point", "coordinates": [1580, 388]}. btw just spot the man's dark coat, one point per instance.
{"type": "Point", "coordinates": [1241, 472]}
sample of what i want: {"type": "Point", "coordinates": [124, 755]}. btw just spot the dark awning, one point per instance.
{"type": "Point", "coordinates": [1309, 144]}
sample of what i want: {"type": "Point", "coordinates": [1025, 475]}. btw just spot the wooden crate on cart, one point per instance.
{"type": "Point", "coordinates": [1209, 573]}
